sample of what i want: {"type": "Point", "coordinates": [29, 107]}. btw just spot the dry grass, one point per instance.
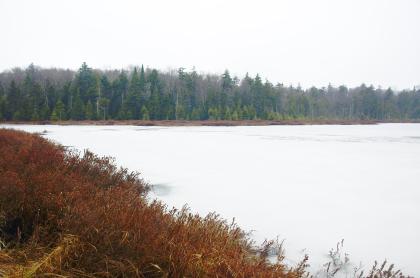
{"type": "Point", "coordinates": [339, 265]}
{"type": "Point", "coordinates": [62, 215]}
{"type": "Point", "coordinates": [65, 215]}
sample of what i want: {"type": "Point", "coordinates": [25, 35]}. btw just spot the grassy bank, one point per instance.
{"type": "Point", "coordinates": [82, 217]}
{"type": "Point", "coordinates": [208, 122]}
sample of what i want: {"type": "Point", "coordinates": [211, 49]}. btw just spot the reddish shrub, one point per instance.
{"type": "Point", "coordinates": [81, 216]}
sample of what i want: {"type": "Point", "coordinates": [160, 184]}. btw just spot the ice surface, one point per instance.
{"type": "Point", "coordinates": [309, 185]}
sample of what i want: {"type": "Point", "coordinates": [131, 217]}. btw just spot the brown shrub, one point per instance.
{"type": "Point", "coordinates": [81, 216]}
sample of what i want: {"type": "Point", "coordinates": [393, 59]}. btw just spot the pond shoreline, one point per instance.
{"type": "Point", "coordinates": [211, 122]}
{"type": "Point", "coordinates": [309, 172]}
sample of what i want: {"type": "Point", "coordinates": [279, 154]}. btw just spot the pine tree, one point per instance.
{"type": "Point", "coordinates": [78, 110]}
{"type": "Point", "coordinates": [134, 96]}
{"type": "Point", "coordinates": [59, 110]}
{"type": "Point", "coordinates": [120, 88]}
{"type": "Point", "coordinates": [142, 81]}
{"type": "Point", "coordinates": [44, 112]}
{"type": "Point", "coordinates": [13, 102]}
{"type": "Point", "coordinates": [154, 101]}
{"type": "Point", "coordinates": [86, 84]}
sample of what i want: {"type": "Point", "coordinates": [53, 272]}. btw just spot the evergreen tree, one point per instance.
{"type": "Point", "coordinates": [13, 102]}
{"type": "Point", "coordinates": [45, 111]}
{"type": "Point", "coordinates": [120, 88]}
{"type": "Point", "coordinates": [85, 83]}
{"type": "Point", "coordinates": [134, 95]}
{"type": "Point", "coordinates": [38, 94]}
{"type": "Point", "coordinates": [78, 109]}
{"type": "Point", "coordinates": [59, 110]}
{"type": "Point", "coordinates": [154, 101]}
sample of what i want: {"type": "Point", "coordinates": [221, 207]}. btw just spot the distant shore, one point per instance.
{"type": "Point", "coordinates": [212, 122]}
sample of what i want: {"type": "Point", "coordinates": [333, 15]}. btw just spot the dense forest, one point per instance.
{"type": "Point", "coordinates": [35, 93]}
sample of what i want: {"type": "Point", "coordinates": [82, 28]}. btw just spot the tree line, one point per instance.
{"type": "Point", "coordinates": [34, 94]}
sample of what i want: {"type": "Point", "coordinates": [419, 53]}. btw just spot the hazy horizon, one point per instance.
{"type": "Point", "coordinates": [311, 43]}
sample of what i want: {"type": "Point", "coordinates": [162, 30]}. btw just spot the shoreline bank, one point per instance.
{"type": "Point", "coordinates": [209, 122]}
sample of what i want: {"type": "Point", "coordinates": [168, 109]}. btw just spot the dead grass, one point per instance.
{"type": "Point", "coordinates": [62, 215]}
{"type": "Point", "coordinates": [66, 215]}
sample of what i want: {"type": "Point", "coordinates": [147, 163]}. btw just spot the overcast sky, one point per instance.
{"type": "Point", "coordinates": [311, 42]}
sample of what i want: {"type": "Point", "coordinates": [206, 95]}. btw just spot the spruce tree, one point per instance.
{"type": "Point", "coordinates": [78, 109]}
{"type": "Point", "coordinates": [13, 102]}
{"type": "Point", "coordinates": [59, 110]}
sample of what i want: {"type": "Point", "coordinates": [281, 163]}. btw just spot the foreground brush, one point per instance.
{"type": "Point", "coordinates": [66, 215]}
{"type": "Point", "coordinates": [62, 214]}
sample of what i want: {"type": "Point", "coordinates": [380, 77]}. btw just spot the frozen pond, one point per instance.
{"type": "Point", "coordinates": [309, 185]}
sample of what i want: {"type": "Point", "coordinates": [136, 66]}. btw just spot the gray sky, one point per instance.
{"type": "Point", "coordinates": [311, 42]}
